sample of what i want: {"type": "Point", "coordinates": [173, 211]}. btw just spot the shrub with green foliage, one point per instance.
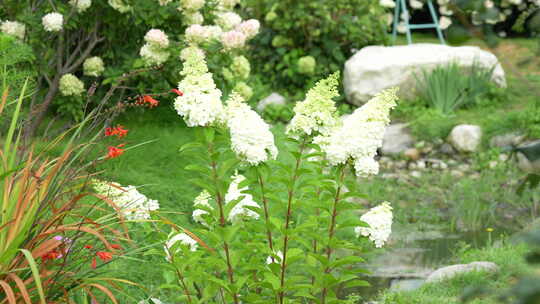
{"type": "Point", "coordinates": [302, 40]}
{"type": "Point", "coordinates": [15, 67]}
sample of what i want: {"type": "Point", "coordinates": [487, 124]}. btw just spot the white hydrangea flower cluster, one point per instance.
{"type": "Point", "coordinates": [227, 5]}
{"type": "Point", "coordinates": [235, 31]}
{"type": "Point", "coordinates": [70, 85]}
{"type": "Point", "coordinates": [307, 65]}
{"type": "Point", "coordinates": [250, 28]}
{"type": "Point", "coordinates": [93, 66]}
{"type": "Point", "coordinates": [191, 11]}
{"type": "Point", "coordinates": [197, 34]}
{"type": "Point", "coordinates": [379, 220]}
{"type": "Point", "coordinates": [121, 6]}
{"type": "Point", "coordinates": [360, 135]}
{"type": "Point", "coordinates": [154, 51]}
{"type": "Point", "coordinates": [233, 40]}
{"type": "Point", "coordinates": [81, 5]}
{"type": "Point", "coordinates": [184, 240]}
{"type": "Point", "coordinates": [251, 138]}
{"type": "Point", "coordinates": [53, 22]}
{"type": "Point", "coordinates": [13, 28]}
{"type": "Point", "coordinates": [241, 67]}
{"type": "Point", "coordinates": [317, 113]}
{"type": "Point", "coordinates": [228, 20]}
{"type": "Point", "coordinates": [238, 212]}
{"type": "Point", "coordinates": [200, 105]}
{"type": "Point", "coordinates": [132, 204]}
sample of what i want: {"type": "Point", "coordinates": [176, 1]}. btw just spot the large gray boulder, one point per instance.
{"type": "Point", "coordinates": [375, 68]}
{"type": "Point", "coordinates": [449, 272]}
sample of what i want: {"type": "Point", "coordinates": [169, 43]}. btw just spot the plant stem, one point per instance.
{"type": "Point", "coordinates": [266, 214]}
{"type": "Point", "coordinates": [222, 221]}
{"type": "Point", "coordinates": [331, 229]}
{"type": "Point", "coordinates": [288, 216]}
{"type": "Point", "coordinates": [183, 282]}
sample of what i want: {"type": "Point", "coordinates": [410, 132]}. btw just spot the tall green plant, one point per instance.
{"type": "Point", "coordinates": [275, 229]}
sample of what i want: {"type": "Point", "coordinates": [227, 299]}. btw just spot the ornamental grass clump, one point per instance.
{"type": "Point", "coordinates": [54, 240]}
{"type": "Point", "coordinates": [269, 222]}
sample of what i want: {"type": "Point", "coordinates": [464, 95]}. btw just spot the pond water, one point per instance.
{"type": "Point", "coordinates": [412, 255]}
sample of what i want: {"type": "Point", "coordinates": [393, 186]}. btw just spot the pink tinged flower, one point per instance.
{"type": "Point", "coordinates": [233, 40]}
{"type": "Point", "coordinates": [196, 33]}
{"type": "Point", "coordinates": [250, 28]}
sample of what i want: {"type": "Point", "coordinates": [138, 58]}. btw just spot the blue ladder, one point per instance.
{"type": "Point", "coordinates": [401, 5]}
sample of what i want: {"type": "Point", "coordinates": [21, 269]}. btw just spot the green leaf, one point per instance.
{"type": "Point", "coordinates": [273, 280]}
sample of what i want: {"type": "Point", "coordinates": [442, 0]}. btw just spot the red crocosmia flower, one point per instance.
{"type": "Point", "coordinates": [87, 246]}
{"type": "Point", "coordinates": [117, 131]}
{"type": "Point", "coordinates": [116, 246]}
{"type": "Point", "coordinates": [115, 151]}
{"type": "Point", "coordinates": [151, 101]}
{"type": "Point", "coordinates": [177, 92]}
{"type": "Point", "coordinates": [51, 255]}
{"type": "Point", "coordinates": [109, 132]}
{"type": "Point", "coordinates": [94, 263]}
{"type": "Point", "coordinates": [104, 256]}
{"type": "Point", "coordinates": [120, 131]}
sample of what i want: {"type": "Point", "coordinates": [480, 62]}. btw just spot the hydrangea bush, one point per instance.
{"type": "Point", "coordinates": [276, 217]}
{"type": "Point", "coordinates": [85, 40]}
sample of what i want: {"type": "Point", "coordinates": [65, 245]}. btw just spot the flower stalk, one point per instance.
{"type": "Point", "coordinates": [332, 227]}
{"type": "Point", "coordinates": [222, 220]}
{"type": "Point", "coordinates": [290, 195]}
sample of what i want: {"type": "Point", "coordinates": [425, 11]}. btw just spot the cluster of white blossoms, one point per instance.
{"type": "Point", "coordinates": [307, 65]}
{"type": "Point", "coordinates": [81, 5]}
{"type": "Point", "coordinates": [184, 239]}
{"type": "Point", "coordinates": [93, 66]}
{"type": "Point", "coordinates": [360, 135]}
{"type": "Point", "coordinates": [238, 212]}
{"type": "Point", "coordinates": [53, 22]}
{"type": "Point", "coordinates": [200, 104]}
{"type": "Point", "coordinates": [157, 38]}
{"type": "Point", "coordinates": [121, 6]}
{"type": "Point", "coordinates": [70, 85]}
{"type": "Point", "coordinates": [227, 4]}
{"type": "Point", "coordinates": [228, 20]}
{"type": "Point", "coordinates": [132, 204]}
{"type": "Point", "coordinates": [379, 220]}
{"type": "Point", "coordinates": [317, 113]}
{"type": "Point", "coordinates": [13, 28]}
{"type": "Point", "coordinates": [197, 34]}
{"type": "Point", "coordinates": [154, 51]}
{"type": "Point", "coordinates": [191, 11]}
{"type": "Point", "coordinates": [237, 34]}
{"type": "Point", "coordinates": [240, 67]}
{"type": "Point", "coordinates": [251, 138]}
